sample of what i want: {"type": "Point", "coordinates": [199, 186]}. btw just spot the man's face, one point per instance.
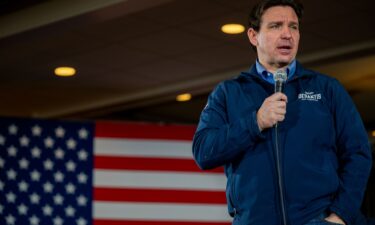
{"type": "Point", "coordinates": [278, 37]}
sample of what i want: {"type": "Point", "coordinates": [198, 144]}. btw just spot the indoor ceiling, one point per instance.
{"type": "Point", "coordinates": [134, 56]}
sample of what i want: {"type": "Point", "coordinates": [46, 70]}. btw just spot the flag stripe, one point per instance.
{"type": "Point", "coordinates": [153, 164]}
{"type": "Point", "coordinates": [143, 148]}
{"type": "Point", "coordinates": [140, 222]}
{"type": "Point", "coordinates": [160, 211]}
{"type": "Point", "coordinates": [154, 195]}
{"type": "Point", "coordinates": [144, 131]}
{"type": "Point", "coordinates": [159, 180]}
{"type": "Point", "coordinates": [129, 173]}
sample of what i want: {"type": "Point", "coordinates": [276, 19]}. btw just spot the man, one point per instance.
{"type": "Point", "coordinates": [312, 168]}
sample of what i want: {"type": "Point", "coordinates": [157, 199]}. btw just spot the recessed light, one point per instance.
{"type": "Point", "coordinates": [233, 28]}
{"type": "Point", "coordinates": [65, 71]}
{"type": "Point", "coordinates": [183, 97]}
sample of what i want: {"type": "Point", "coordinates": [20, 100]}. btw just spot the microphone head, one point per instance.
{"type": "Point", "coordinates": [280, 76]}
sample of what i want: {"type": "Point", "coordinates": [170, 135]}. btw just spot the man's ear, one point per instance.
{"type": "Point", "coordinates": [253, 36]}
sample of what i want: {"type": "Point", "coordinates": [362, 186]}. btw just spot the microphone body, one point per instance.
{"type": "Point", "coordinates": [279, 86]}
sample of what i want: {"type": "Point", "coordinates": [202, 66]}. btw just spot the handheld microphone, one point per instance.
{"type": "Point", "coordinates": [279, 77]}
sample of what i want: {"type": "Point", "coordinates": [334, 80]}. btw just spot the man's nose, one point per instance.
{"type": "Point", "coordinates": [286, 33]}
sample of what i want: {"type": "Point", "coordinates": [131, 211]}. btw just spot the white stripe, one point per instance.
{"type": "Point", "coordinates": [159, 180]}
{"type": "Point", "coordinates": [142, 147]}
{"type": "Point", "coordinates": [157, 211]}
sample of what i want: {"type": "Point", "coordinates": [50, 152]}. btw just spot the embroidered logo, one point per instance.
{"type": "Point", "coordinates": [309, 96]}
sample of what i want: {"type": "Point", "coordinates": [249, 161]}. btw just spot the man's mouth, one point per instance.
{"type": "Point", "coordinates": [286, 47]}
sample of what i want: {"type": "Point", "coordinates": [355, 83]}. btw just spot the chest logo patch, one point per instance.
{"type": "Point", "coordinates": [309, 96]}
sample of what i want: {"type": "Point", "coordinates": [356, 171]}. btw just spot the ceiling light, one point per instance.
{"type": "Point", "coordinates": [65, 71]}
{"type": "Point", "coordinates": [232, 28]}
{"type": "Point", "coordinates": [183, 97]}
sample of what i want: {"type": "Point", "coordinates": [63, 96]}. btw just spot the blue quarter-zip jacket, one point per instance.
{"type": "Point", "coordinates": [325, 156]}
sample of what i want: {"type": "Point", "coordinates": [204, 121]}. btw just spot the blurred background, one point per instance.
{"type": "Point", "coordinates": [134, 57]}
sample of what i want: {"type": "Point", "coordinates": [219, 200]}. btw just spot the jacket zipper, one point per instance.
{"type": "Point", "coordinates": [280, 180]}
{"type": "Point", "coordinates": [278, 167]}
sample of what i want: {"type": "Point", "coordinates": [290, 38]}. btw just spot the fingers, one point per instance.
{"type": "Point", "coordinates": [273, 110]}
{"type": "Point", "coordinates": [280, 105]}
{"type": "Point", "coordinates": [276, 101]}
{"type": "Point", "coordinates": [278, 97]}
{"type": "Point", "coordinates": [280, 117]}
{"type": "Point", "coordinates": [277, 116]}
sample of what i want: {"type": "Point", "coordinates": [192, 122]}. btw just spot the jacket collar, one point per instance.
{"type": "Point", "coordinates": [300, 72]}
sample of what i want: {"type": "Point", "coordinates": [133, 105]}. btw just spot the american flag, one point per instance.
{"type": "Point", "coordinates": [112, 173]}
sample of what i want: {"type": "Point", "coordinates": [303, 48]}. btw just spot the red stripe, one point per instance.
{"type": "Point", "coordinates": [153, 195]}
{"type": "Point", "coordinates": [155, 164]}
{"type": "Point", "coordinates": [128, 222]}
{"type": "Point", "coordinates": [144, 131]}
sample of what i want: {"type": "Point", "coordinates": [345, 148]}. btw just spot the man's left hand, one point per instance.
{"type": "Point", "coordinates": [334, 218]}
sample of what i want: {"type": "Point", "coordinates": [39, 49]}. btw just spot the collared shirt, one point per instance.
{"type": "Point", "coordinates": [267, 76]}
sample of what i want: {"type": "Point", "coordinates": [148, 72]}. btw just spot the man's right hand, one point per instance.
{"type": "Point", "coordinates": [273, 110]}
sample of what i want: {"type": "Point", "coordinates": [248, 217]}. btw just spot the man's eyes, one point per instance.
{"type": "Point", "coordinates": [294, 27]}
{"type": "Point", "coordinates": [273, 26]}
{"type": "Point", "coordinates": [277, 26]}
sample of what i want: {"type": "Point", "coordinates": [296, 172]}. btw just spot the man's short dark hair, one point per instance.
{"type": "Point", "coordinates": [259, 9]}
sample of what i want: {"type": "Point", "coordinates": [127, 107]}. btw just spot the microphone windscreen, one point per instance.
{"type": "Point", "coordinates": [280, 76]}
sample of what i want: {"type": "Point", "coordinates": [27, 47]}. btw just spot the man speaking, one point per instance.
{"type": "Point", "coordinates": [295, 153]}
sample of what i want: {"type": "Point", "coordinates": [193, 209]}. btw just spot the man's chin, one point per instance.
{"type": "Point", "coordinates": [285, 61]}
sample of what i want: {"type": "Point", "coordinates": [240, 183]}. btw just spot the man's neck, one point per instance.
{"type": "Point", "coordinates": [272, 68]}
{"type": "Point", "coordinates": [267, 75]}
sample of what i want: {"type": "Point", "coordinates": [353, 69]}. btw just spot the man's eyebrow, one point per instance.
{"type": "Point", "coordinates": [282, 22]}
{"type": "Point", "coordinates": [293, 23]}
{"type": "Point", "coordinates": [276, 22]}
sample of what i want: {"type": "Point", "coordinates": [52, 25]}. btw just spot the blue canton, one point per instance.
{"type": "Point", "coordinates": [45, 172]}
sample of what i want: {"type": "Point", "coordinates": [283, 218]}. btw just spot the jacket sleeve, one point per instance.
{"type": "Point", "coordinates": [354, 155]}
{"type": "Point", "coordinates": [217, 141]}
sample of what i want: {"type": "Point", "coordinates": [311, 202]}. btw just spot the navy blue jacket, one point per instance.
{"type": "Point", "coordinates": [325, 157]}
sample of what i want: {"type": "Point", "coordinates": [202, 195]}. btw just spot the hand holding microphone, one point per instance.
{"type": "Point", "coordinates": [273, 109]}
